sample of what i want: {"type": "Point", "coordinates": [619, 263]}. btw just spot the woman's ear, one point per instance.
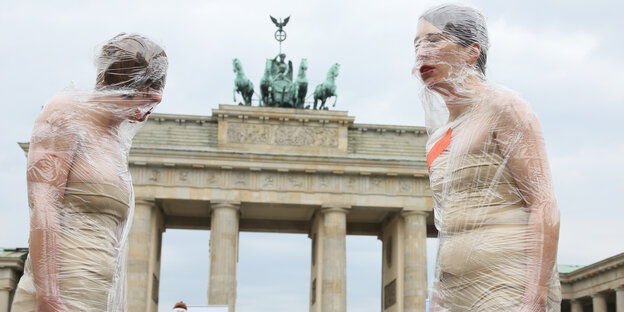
{"type": "Point", "coordinates": [474, 50]}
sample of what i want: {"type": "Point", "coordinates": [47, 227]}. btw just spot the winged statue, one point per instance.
{"type": "Point", "coordinates": [280, 24]}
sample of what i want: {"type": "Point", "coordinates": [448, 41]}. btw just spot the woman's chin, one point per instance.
{"type": "Point", "coordinates": [432, 82]}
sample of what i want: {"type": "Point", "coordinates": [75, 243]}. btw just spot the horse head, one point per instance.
{"type": "Point", "coordinates": [303, 66]}
{"type": "Point", "coordinates": [237, 65]}
{"type": "Point", "coordinates": [333, 71]}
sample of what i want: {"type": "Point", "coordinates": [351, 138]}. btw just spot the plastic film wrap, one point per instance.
{"type": "Point", "coordinates": [494, 203]}
{"type": "Point", "coordinates": [79, 187]}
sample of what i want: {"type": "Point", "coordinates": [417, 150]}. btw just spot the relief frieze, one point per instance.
{"type": "Point", "coordinates": [248, 133]}
{"type": "Point", "coordinates": [280, 181]}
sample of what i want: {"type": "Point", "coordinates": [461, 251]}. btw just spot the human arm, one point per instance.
{"type": "Point", "coordinates": [49, 159]}
{"type": "Point", "coordinates": [520, 139]}
{"type": "Point", "coordinates": [435, 302]}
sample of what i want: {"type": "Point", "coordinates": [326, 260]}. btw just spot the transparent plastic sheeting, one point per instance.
{"type": "Point", "coordinates": [494, 204]}
{"type": "Point", "coordinates": [79, 187]}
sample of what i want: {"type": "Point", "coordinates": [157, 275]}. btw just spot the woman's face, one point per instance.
{"type": "Point", "coordinates": [134, 106]}
{"type": "Point", "coordinates": [439, 59]}
{"type": "Point", "coordinates": [143, 104]}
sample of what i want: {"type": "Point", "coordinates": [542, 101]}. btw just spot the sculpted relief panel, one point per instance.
{"type": "Point", "coordinates": [248, 133]}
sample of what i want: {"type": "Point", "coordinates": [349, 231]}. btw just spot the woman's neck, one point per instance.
{"type": "Point", "coordinates": [460, 97]}
{"type": "Point", "coordinates": [103, 116]}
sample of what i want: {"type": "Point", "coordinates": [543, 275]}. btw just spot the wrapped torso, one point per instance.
{"type": "Point", "coordinates": [481, 212]}
{"type": "Point", "coordinates": [78, 181]}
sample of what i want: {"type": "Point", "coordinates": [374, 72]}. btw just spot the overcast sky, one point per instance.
{"type": "Point", "coordinates": [564, 57]}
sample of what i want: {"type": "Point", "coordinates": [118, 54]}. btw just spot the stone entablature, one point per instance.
{"type": "Point", "coordinates": [255, 178]}
{"type": "Point", "coordinates": [603, 276]}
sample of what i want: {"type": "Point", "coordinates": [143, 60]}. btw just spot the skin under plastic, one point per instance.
{"type": "Point", "coordinates": [79, 187]}
{"type": "Point", "coordinates": [494, 202]}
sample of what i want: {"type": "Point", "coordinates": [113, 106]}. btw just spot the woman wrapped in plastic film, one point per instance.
{"type": "Point", "coordinates": [494, 203]}
{"type": "Point", "coordinates": [79, 187]}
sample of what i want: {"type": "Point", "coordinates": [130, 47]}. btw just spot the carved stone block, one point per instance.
{"type": "Point", "coordinates": [212, 177]}
{"type": "Point", "coordinates": [323, 182]}
{"type": "Point", "coordinates": [351, 183]}
{"type": "Point", "coordinates": [267, 181]}
{"type": "Point", "coordinates": [249, 133]}
{"type": "Point", "coordinates": [406, 185]}
{"type": "Point", "coordinates": [295, 181]}
{"type": "Point", "coordinates": [377, 184]}
{"type": "Point", "coordinates": [390, 294]}
{"type": "Point", "coordinates": [241, 179]}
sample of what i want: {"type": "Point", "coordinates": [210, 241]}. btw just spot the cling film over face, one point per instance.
{"type": "Point", "coordinates": [494, 203]}
{"type": "Point", "coordinates": [79, 187]}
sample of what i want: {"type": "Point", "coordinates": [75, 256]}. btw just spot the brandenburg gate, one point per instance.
{"type": "Point", "coordinates": [284, 170]}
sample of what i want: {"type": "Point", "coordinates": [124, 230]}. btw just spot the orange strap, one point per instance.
{"type": "Point", "coordinates": [438, 148]}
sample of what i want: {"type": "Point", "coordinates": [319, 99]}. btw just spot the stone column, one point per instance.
{"type": "Point", "coordinates": [619, 298]}
{"type": "Point", "coordinates": [144, 241]}
{"type": "Point", "coordinates": [415, 253]}
{"type": "Point", "coordinates": [223, 253]}
{"type": "Point", "coordinates": [4, 299]}
{"type": "Point", "coordinates": [392, 263]}
{"type": "Point", "coordinates": [316, 264]}
{"type": "Point", "coordinates": [599, 302]}
{"type": "Point", "coordinates": [577, 305]}
{"type": "Point", "coordinates": [11, 268]}
{"type": "Point", "coordinates": [334, 259]}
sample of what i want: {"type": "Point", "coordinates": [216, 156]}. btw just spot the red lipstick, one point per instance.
{"type": "Point", "coordinates": [426, 70]}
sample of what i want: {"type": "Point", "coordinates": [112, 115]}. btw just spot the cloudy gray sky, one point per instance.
{"type": "Point", "coordinates": [564, 57]}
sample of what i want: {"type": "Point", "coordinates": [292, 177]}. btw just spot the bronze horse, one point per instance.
{"type": "Point", "coordinates": [242, 85]}
{"type": "Point", "coordinates": [327, 88]}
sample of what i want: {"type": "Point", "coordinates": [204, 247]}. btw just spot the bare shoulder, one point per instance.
{"type": "Point", "coordinates": [57, 120]}
{"type": "Point", "coordinates": [509, 105]}
{"type": "Point", "coordinates": [58, 110]}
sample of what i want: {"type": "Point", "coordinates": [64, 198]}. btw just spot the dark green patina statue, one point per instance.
{"type": "Point", "coordinates": [277, 88]}
{"type": "Point", "coordinates": [327, 89]}
{"type": "Point", "coordinates": [242, 85]}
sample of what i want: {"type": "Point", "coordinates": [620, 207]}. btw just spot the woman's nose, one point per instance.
{"type": "Point", "coordinates": [156, 96]}
{"type": "Point", "coordinates": [422, 52]}
{"type": "Point", "coordinates": [415, 69]}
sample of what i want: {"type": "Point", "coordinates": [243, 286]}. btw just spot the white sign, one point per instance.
{"type": "Point", "coordinates": [208, 309]}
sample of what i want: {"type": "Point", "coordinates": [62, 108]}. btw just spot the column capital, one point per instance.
{"type": "Point", "coordinates": [619, 288]}
{"type": "Point", "coordinates": [335, 208]}
{"type": "Point", "coordinates": [598, 295]}
{"type": "Point", "coordinates": [411, 212]}
{"type": "Point", "coordinates": [230, 204]}
{"type": "Point", "coordinates": [148, 201]}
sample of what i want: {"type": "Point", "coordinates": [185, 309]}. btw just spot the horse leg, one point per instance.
{"type": "Point", "coordinates": [248, 98]}
{"type": "Point", "coordinates": [335, 100]}
{"type": "Point", "coordinates": [234, 95]}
